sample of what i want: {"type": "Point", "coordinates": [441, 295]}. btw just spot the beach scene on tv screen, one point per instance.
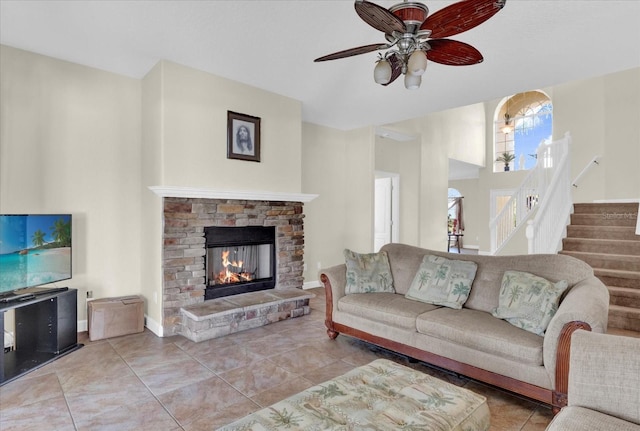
{"type": "Point", "coordinates": [34, 250]}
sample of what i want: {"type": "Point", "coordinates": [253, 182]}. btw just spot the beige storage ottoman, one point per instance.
{"type": "Point", "coordinates": [112, 317]}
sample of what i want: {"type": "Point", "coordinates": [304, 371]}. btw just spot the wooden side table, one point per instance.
{"type": "Point", "coordinates": [455, 237]}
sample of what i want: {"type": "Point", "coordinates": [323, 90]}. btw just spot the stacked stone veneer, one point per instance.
{"type": "Point", "coordinates": [184, 246]}
{"type": "Point", "coordinates": [223, 316]}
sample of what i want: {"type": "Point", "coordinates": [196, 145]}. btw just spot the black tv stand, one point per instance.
{"type": "Point", "coordinates": [46, 328]}
{"type": "Point", "coordinates": [29, 293]}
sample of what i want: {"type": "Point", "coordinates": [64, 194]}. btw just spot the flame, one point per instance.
{"type": "Point", "coordinates": [227, 275]}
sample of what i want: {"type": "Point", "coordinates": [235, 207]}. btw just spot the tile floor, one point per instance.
{"type": "Point", "coordinates": [143, 382]}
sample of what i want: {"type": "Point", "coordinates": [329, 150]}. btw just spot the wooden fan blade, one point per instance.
{"type": "Point", "coordinates": [378, 17]}
{"type": "Point", "coordinates": [453, 53]}
{"type": "Point", "coordinates": [352, 51]}
{"type": "Point", "coordinates": [396, 68]}
{"type": "Point", "coordinates": [461, 16]}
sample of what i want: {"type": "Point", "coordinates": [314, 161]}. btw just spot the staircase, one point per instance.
{"type": "Point", "coordinates": [603, 235]}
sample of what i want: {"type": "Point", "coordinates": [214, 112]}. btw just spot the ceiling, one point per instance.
{"type": "Point", "coordinates": [272, 45]}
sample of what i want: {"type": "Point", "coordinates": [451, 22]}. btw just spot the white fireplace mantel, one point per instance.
{"type": "Point", "coordinates": [250, 195]}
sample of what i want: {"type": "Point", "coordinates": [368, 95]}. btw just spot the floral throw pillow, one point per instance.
{"type": "Point", "coordinates": [528, 301]}
{"type": "Point", "coordinates": [442, 281]}
{"type": "Point", "coordinates": [368, 273]}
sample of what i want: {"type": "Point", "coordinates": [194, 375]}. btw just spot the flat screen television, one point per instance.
{"type": "Point", "coordinates": [35, 249]}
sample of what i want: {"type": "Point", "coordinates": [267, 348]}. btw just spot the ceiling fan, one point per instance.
{"type": "Point", "coordinates": [413, 37]}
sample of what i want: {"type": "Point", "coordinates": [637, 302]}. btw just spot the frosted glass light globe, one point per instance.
{"type": "Point", "coordinates": [412, 82]}
{"type": "Point", "coordinates": [417, 62]}
{"type": "Point", "coordinates": [382, 72]}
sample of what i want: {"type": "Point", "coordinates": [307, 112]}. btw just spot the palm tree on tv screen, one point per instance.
{"type": "Point", "coordinates": [38, 238]}
{"type": "Point", "coordinates": [61, 232]}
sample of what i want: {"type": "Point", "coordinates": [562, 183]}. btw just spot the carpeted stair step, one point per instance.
{"type": "Point", "coordinates": [615, 277]}
{"type": "Point", "coordinates": [607, 261]}
{"type": "Point", "coordinates": [624, 317]}
{"type": "Point", "coordinates": [597, 232]}
{"type": "Point", "coordinates": [603, 235]}
{"type": "Point", "coordinates": [607, 246]}
{"type": "Point", "coordinates": [612, 209]}
{"type": "Point", "coordinates": [624, 296]}
{"type": "Point", "coordinates": [613, 219]}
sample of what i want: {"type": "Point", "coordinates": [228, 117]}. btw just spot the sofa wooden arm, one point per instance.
{"type": "Point", "coordinates": [563, 356]}
{"type": "Point", "coordinates": [328, 321]}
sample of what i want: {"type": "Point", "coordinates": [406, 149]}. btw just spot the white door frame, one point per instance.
{"type": "Point", "coordinates": [395, 203]}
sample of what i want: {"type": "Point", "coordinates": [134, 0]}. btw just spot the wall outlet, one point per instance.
{"type": "Point", "coordinates": [304, 267]}
{"type": "Point", "coordinates": [319, 265]}
{"type": "Point", "coordinates": [89, 294]}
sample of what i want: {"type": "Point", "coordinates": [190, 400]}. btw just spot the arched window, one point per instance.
{"type": "Point", "coordinates": [522, 123]}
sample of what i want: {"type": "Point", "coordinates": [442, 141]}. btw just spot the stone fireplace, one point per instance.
{"type": "Point", "coordinates": [189, 224]}
{"type": "Point", "coordinates": [239, 260]}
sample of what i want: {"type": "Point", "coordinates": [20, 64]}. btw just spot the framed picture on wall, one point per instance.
{"type": "Point", "coordinates": [243, 137]}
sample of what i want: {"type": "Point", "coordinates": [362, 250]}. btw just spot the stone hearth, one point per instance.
{"type": "Point", "coordinates": [223, 316]}
{"type": "Point", "coordinates": [183, 261]}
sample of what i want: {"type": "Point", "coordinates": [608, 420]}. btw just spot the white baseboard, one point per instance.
{"type": "Point", "coordinates": [83, 325]}
{"type": "Point", "coordinates": [153, 326]}
{"type": "Point", "coordinates": [311, 284]}
{"type": "Point", "coordinates": [616, 201]}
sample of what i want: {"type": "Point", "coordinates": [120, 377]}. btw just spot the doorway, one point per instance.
{"type": "Point", "coordinates": [386, 209]}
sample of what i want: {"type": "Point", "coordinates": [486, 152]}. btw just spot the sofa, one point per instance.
{"type": "Point", "coordinates": [470, 341]}
{"type": "Point", "coordinates": [604, 384]}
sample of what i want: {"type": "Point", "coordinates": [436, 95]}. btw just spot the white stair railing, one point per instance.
{"type": "Point", "coordinates": [551, 159]}
{"type": "Point", "coordinates": [594, 162]}
{"type": "Point", "coordinates": [545, 231]}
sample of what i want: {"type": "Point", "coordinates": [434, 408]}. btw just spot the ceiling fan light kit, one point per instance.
{"type": "Point", "coordinates": [414, 37]}
{"type": "Point", "coordinates": [382, 72]}
{"type": "Point", "coordinates": [412, 82]}
{"type": "Point", "coordinates": [417, 62]}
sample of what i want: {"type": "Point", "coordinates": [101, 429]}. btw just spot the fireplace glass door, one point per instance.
{"type": "Point", "coordinates": [239, 260]}
{"type": "Point", "coordinates": [239, 264]}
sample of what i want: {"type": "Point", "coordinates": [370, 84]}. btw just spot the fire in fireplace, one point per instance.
{"type": "Point", "coordinates": [239, 260]}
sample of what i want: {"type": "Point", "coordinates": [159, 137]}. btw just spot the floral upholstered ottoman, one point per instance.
{"type": "Point", "coordinates": [378, 396]}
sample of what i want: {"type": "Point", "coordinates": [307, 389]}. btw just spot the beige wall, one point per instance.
{"type": "Point", "coordinates": [440, 134]}
{"type": "Point", "coordinates": [88, 142]}
{"type": "Point", "coordinates": [75, 139]}
{"type": "Point", "coordinates": [602, 115]}
{"type": "Point", "coordinates": [184, 143]}
{"type": "Point", "coordinates": [70, 143]}
{"type": "Point", "coordinates": [152, 168]}
{"type": "Point", "coordinates": [463, 129]}
{"type": "Point", "coordinates": [324, 172]}
{"type": "Point", "coordinates": [403, 158]}
{"type": "Point", "coordinates": [194, 133]}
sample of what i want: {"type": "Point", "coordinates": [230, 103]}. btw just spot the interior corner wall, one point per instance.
{"type": "Point", "coordinates": [339, 167]}
{"type": "Point", "coordinates": [465, 129]}
{"type": "Point", "coordinates": [324, 172]}
{"type": "Point", "coordinates": [434, 182]}
{"type": "Point", "coordinates": [194, 133]}
{"type": "Point", "coordinates": [70, 143]}
{"type": "Point", "coordinates": [622, 144]}
{"type": "Point", "coordinates": [359, 189]}
{"type": "Point", "coordinates": [151, 167]}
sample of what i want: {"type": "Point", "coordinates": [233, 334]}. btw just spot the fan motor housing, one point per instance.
{"type": "Point", "coordinates": [412, 13]}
